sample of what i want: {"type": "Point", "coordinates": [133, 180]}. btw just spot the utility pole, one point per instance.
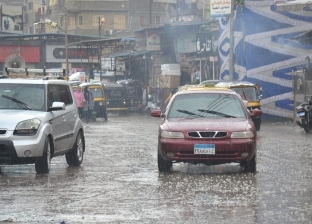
{"type": "Point", "coordinates": [66, 44]}
{"type": "Point", "coordinates": [231, 69]}
{"type": "Point", "coordinates": [151, 11]}
{"type": "Point", "coordinates": [101, 22]}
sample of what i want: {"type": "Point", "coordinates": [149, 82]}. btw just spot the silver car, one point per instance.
{"type": "Point", "coordinates": [38, 121]}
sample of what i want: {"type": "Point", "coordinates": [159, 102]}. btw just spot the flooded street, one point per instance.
{"type": "Point", "coordinates": [118, 182]}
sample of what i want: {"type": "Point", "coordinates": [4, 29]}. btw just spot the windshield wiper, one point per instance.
{"type": "Point", "coordinates": [18, 102]}
{"type": "Point", "coordinates": [217, 113]}
{"type": "Point", "coordinates": [190, 113]}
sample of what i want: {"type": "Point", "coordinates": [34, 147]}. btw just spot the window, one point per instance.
{"type": "Point", "coordinates": [142, 20]}
{"type": "Point", "coordinates": [65, 95]}
{"type": "Point", "coordinates": [53, 2]}
{"type": "Point", "coordinates": [32, 95]}
{"type": "Point", "coordinates": [80, 19]}
{"type": "Point", "coordinates": [59, 93]}
{"type": "Point", "coordinates": [157, 19]}
{"type": "Point", "coordinates": [119, 22]}
{"type": "Point", "coordinates": [95, 20]}
{"type": "Point", "coordinates": [30, 6]}
{"type": "Point", "coordinates": [71, 21]}
{"type": "Point", "coordinates": [206, 105]}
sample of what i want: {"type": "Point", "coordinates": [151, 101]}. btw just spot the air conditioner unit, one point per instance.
{"type": "Point", "coordinates": [108, 32]}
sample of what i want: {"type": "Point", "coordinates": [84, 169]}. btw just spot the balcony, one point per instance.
{"type": "Point", "coordinates": [79, 6]}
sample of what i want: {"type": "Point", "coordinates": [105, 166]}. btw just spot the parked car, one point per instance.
{"type": "Point", "coordinates": [38, 121]}
{"type": "Point", "coordinates": [204, 125]}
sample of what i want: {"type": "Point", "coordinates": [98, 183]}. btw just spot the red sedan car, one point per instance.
{"type": "Point", "coordinates": [203, 125]}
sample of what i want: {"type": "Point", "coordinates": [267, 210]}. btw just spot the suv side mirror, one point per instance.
{"type": "Point", "coordinates": [57, 106]}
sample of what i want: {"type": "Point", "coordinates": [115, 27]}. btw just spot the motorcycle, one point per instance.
{"type": "Point", "coordinates": [151, 105]}
{"type": "Point", "coordinates": [304, 113]}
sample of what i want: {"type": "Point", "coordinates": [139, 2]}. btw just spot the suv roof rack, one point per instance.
{"type": "Point", "coordinates": [44, 73]}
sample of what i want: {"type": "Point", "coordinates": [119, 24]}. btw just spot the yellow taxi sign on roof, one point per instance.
{"type": "Point", "coordinates": [208, 86]}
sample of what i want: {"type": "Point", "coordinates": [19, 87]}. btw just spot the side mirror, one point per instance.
{"type": "Point", "coordinates": [57, 106]}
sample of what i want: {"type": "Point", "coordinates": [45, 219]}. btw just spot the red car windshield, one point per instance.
{"type": "Point", "coordinates": [210, 105]}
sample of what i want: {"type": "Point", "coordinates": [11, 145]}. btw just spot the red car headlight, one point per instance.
{"type": "Point", "coordinates": [172, 134]}
{"type": "Point", "coordinates": [242, 134]}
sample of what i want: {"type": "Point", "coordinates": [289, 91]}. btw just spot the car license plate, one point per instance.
{"type": "Point", "coordinates": [204, 149]}
{"type": "Point", "coordinates": [299, 114]}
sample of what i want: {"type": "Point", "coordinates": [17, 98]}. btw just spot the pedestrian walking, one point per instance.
{"type": "Point", "coordinates": [88, 105]}
{"type": "Point", "coordinates": [80, 100]}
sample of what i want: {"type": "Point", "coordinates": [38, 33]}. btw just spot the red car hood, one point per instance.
{"type": "Point", "coordinates": [200, 124]}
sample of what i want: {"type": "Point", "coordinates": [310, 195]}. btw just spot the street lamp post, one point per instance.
{"type": "Point", "coordinates": [101, 23]}
{"type": "Point", "coordinates": [55, 25]}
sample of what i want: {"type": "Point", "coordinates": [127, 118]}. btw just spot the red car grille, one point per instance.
{"type": "Point", "coordinates": [207, 134]}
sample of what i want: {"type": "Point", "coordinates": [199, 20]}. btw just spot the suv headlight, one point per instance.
{"type": "Point", "coordinates": [28, 127]}
{"type": "Point", "coordinates": [242, 134]}
{"type": "Point", "coordinates": [171, 134]}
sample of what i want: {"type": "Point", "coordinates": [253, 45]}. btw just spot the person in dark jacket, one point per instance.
{"type": "Point", "coordinates": [88, 105]}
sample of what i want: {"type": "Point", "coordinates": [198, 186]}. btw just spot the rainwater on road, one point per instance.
{"type": "Point", "coordinates": [118, 182]}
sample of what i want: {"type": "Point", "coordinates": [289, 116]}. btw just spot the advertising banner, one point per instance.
{"type": "Point", "coordinates": [12, 19]}
{"type": "Point", "coordinates": [57, 53]}
{"type": "Point", "coordinates": [220, 8]}
{"type": "Point", "coordinates": [30, 54]}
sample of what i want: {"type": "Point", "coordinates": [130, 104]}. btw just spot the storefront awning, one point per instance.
{"type": "Point", "coordinates": [128, 53]}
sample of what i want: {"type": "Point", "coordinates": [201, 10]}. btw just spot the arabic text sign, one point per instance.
{"type": "Point", "coordinates": [220, 8]}
{"type": "Point", "coordinates": [153, 40]}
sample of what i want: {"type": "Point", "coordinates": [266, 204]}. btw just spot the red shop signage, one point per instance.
{"type": "Point", "coordinates": [29, 53]}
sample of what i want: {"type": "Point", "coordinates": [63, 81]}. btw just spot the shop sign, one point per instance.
{"type": "Point", "coordinates": [186, 44]}
{"type": "Point", "coordinates": [30, 54]}
{"type": "Point", "coordinates": [207, 43]}
{"type": "Point", "coordinates": [152, 40]}
{"type": "Point", "coordinates": [57, 53]}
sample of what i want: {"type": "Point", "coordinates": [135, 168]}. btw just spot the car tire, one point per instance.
{"type": "Point", "coordinates": [163, 165]}
{"type": "Point", "coordinates": [43, 163]}
{"type": "Point", "coordinates": [75, 156]}
{"type": "Point", "coordinates": [250, 166]}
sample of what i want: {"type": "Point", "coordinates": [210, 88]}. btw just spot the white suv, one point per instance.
{"type": "Point", "coordinates": [38, 121]}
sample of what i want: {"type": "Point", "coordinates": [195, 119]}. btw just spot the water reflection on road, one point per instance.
{"type": "Point", "coordinates": [118, 182]}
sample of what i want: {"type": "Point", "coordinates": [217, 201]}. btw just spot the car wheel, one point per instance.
{"type": "Point", "coordinates": [250, 166]}
{"type": "Point", "coordinates": [75, 156]}
{"type": "Point", "coordinates": [43, 163]}
{"type": "Point", "coordinates": [163, 165]}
